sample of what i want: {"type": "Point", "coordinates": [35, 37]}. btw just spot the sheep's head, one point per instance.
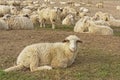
{"type": "Point", "coordinates": [86, 21]}
{"type": "Point", "coordinates": [5, 17]}
{"type": "Point", "coordinates": [72, 42]}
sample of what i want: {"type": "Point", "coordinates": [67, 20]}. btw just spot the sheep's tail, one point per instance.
{"type": "Point", "coordinates": [14, 68]}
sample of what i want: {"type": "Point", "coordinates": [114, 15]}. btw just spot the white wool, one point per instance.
{"type": "Point", "coordinates": [3, 25]}
{"type": "Point", "coordinates": [118, 8]}
{"type": "Point", "coordinates": [48, 14]}
{"type": "Point", "coordinates": [69, 20]}
{"type": "Point", "coordinates": [15, 22]}
{"type": "Point", "coordinates": [86, 25]}
{"type": "Point", "coordinates": [48, 55]}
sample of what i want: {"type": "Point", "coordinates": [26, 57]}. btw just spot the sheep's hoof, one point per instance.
{"type": "Point", "coordinates": [47, 67]}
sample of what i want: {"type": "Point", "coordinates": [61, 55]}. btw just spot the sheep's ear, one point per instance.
{"type": "Point", "coordinates": [85, 20]}
{"type": "Point", "coordinates": [79, 41]}
{"type": "Point", "coordinates": [65, 40]}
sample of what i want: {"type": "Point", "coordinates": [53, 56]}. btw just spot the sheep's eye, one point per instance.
{"type": "Point", "coordinates": [79, 41]}
{"type": "Point", "coordinates": [65, 41]}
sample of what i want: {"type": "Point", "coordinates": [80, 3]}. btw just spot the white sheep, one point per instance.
{"type": "Point", "coordinates": [7, 10]}
{"type": "Point", "coordinates": [3, 25]}
{"type": "Point", "coordinates": [79, 27]}
{"type": "Point", "coordinates": [83, 9]}
{"type": "Point", "coordinates": [77, 5]}
{"type": "Point", "coordinates": [99, 5]}
{"type": "Point", "coordinates": [118, 8]}
{"type": "Point", "coordinates": [34, 18]}
{"type": "Point", "coordinates": [3, 2]}
{"type": "Point", "coordinates": [43, 56]}
{"type": "Point", "coordinates": [16, 22]}
{"type": "Point", "coordinates": [4, 10]}
{"type": "Point", "coordinates": [26, 11]}
{"type": "Point", "coordinates": [69, 20]}
{"type": "Point", "coordinates": [109, 19]}
{"type": "Point", "coordinates": [113, 22]}
{"type": "Point", "coordinates": [48, 14]}
{"type": "Point", "coordinates": [102, 22]}
{"type": "Point", "coordinates": [97, 29]}
{"type": "Point", "coordinates": [62, 3]}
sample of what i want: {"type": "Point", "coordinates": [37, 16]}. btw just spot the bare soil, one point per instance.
{"type": "Point", "coordinates": [12, 42]}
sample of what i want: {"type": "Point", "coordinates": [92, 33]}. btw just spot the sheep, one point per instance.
{"type": "Point", "coordinates": [102, 22]}
{"type": "Point", "coordinates": [81, 14]}
{"type": "Point", "coordinates": [25, 11]}
{"type": "Point", "coordinates": [79, 27]}
{"type": "Point", "coordinates": [3, 2]}
{"type": "Point", "coordinates": [118, 8]}
{"type": "Point", "coordinates": [14, 3]}
{"type": "Point", "coordinates": [114, 22]}
{"type": "Point", "coordinates": [62, 3]}
{"type": "Point", "coordinates": [83, 9]}
{"type": "Point", "coordinates": [52, 3]}
{"type": "Point", "coordinates": [16, 22]}
{"type": "Point", "coordinates": [47, 1]}
{"type": "Point", "coordinates": [7, 10]}
{"type": "Point", "coordinates": [99, 5]}
{"type": "Point", "coordinates": [48, 14]}
{"type": "Point", "coordinates": [68, 10]}
{"type": "Point", "coordinates": [97, 29]}
{"type": "Point", "coordinates": [110, 19]}
{"type": "Point", "coordinates": [76, 4]}
{"type": "Point", "coordinates": [69, 20]}
{"type": "Point", "coordinates": [46, 56]}
{"type": "Point", "coordinates": [4, 10]}
{"type": "Point", "coordinates": [3, 25]}
{"type": "Point", "coordinates": [34, 18]}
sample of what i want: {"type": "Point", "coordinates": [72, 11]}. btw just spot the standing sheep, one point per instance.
{"type": "Point", "coordinates": [43, 56]}
{"type": "Point", "coordinates": [48, 14]}
{"type": "Point", "coordinates": [99, 5]}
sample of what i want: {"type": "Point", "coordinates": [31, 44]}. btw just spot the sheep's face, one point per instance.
{"type": "Point", "coordinates": [72, 42]}
{"type": "Point", "coordinates": [6, 16]}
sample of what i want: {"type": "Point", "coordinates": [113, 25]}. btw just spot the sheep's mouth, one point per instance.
{"type": "Point", "coordinates": [73, 51]}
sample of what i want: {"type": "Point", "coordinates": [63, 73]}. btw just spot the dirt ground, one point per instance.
{"type": "Point", "coordinates": [12, 42]}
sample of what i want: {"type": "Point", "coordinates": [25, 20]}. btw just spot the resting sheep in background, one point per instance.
{"type": "Point", "coordinates": [3, 25]}
{"type": "Point", "coordinates": [69, 20]}
{"type": "Point", "coordinates": [97, 29]}
{"type": "Point", "coordinates": [17, 22]}
{"type": "Point", "coordinates": [43, 56]}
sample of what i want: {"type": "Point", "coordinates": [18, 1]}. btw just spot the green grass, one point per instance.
{"type": "Point", "coordinates": [58, 27]}
{"type": "Point", "coordinates": [116, 31]}
{"type": "Point", "coordinates": [70, 28]}
{"type": "Point", "coordinates": [91, 64]}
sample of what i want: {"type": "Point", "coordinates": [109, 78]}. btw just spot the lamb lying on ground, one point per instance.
{"type": "Point", "coordinates": [18, 22]}
{"type": "Point", "coordinates": [48, 55]}
{"type": "Point", "coordinates": [97, 29]}
{"type": "Point", "coordinates": [86, 25]}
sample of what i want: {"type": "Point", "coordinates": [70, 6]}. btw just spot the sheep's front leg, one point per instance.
{"type": "Point", "coordinates": [41, 23]}
{"type": "Point", "coordinates": [43, 68]}
{"type": "Point", "coordinates": [53, 23]}
{"type": "Point", "coordinates": [34, 64]}
{"type": "Point", "coordinates": [59, 63]}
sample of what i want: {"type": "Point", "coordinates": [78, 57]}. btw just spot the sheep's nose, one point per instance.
{"type": "Point", "coordinates": [73, 49]}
